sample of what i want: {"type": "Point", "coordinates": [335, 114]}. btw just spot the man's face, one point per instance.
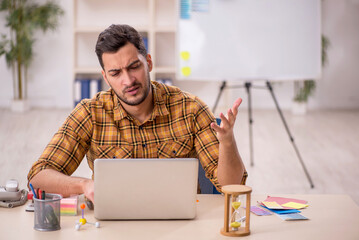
{"type": "Point", "coordinates": [127, 73]}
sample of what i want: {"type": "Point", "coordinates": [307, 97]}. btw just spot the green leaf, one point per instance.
{"type": "Point", "coordinates": [309, 86]}
{"type": "Point", "coordinates": [24, 18]}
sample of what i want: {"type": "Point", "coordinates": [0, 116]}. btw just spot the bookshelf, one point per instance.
{"type": "Point", "coordinates": [154, 19]}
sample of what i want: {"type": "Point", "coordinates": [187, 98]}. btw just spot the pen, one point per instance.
{"type": "Point", "coordinates": [43, 195]}
{"type": "Point", "coordinates": [32, 189]}
{"type": "Point", "coordinates": [39, 193]}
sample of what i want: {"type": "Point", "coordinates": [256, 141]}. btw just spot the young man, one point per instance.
{"type": "Point", "coordinates": [136, 118]}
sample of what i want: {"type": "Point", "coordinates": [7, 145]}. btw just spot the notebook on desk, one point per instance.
{"type": "Point", "coordinates": [145, 188]}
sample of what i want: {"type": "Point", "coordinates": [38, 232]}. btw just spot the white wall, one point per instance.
{"type": "Point", "coordinates": [51, 73]}
{"type": "Point", "coordinates": [340, 84]}
{"type": "Point", "coordinates": [50, 76]}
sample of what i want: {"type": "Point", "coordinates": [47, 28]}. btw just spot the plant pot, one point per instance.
{"type": "Point", "coordinates": [20, 105]}
{"type": "Point", "coordinates": [299, 108]}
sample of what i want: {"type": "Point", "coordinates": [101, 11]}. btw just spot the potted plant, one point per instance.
{"type": "Point", "coordinates": [23, 18]}
{"type": "Point", "coordinates": [304, 89]}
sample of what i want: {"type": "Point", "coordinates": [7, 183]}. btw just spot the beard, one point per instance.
{"type": "Point", "coordinates": [140, 96]}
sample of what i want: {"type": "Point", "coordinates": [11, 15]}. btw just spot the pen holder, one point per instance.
{"type": "Point", "coordinates": [47, 213]}
{"type": "Point", "coordinates": [236, 210]}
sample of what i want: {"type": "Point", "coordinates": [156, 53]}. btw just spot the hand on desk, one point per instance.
{"type": "Point", "coordinates": [53, 181]}
{"type": "Point", "coordinates": [88, 189]}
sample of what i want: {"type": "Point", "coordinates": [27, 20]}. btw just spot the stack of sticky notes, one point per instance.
{"type": "Point", "coordinates": [69, 206]}
{"type": "Point", "coordinates": [285, 208]}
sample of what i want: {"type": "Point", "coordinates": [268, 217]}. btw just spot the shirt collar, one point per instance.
{"type": "Point", "coordinates": [159, 108]}
{"type": "Point", "coordinates": [118, 111]}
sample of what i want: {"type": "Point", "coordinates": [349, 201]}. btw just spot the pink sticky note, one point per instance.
{"type": "Point", "coordinates": [281, 200]}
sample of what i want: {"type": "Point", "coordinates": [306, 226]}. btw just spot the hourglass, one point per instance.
{"type": "Point", "coordinates": [237, 218]}
{"type": "Point", "coordinates": [236, 223]}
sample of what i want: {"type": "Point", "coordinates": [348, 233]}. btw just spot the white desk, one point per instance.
{"type": "Point", "coordinates": [331, 217]}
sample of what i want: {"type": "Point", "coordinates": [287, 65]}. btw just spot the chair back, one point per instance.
{"type": "Point", "coordinates": [205, 184]}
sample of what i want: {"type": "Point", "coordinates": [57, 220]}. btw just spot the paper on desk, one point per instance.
{"type": "Point", "coordinates": [272, 205]}
{"type": "Point", "coordinates": [292, 216]}
{"type": "Point", "coordinates": [281, 211]}
{"type": "Point", "coordinates": [260, 211]}
{"type": "Point", "coordinates": [295, 205]}
{"type": "Point", "coordinates": [281, 201]}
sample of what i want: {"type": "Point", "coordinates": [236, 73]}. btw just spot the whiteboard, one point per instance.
{"type": "Point", "coordinates": [248, 40]}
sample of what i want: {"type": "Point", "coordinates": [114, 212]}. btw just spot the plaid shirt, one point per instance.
{"type": "Point", "coordinates": [179, 127]}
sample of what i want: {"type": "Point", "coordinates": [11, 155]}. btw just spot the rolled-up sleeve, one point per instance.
{"type": "Point", "coordinates": [68, 146]}
{"type": "Point", "coordinates": [207, 145]}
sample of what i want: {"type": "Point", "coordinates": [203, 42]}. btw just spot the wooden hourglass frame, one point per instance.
{"type": "Point", "coordinates": [231, 192]}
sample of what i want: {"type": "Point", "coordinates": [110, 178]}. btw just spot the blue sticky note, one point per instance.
{"type": "Point", "coordinates": [292, 216]}
{"type": "Point", "coordinates": [185, 9]}
{"type": "Point", "coordinates": [282, 211]}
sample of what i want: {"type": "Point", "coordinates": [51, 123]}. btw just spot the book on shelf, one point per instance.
{"type": "Point", "coordinates": [167, 81]}
{"type": "Point", "coordinates": [145, 41]}
{"type": "Point", "coordinates": [86, 88]}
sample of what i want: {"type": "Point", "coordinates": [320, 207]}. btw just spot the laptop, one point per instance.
{"type": "Point", "coordinates": [145, 188]}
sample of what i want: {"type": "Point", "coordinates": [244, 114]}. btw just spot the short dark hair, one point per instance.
{"type": "Point", "coordinates": [116, 36]}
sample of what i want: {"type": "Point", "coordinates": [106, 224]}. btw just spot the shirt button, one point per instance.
{"type": "Point", "coordinates": [144, 145]}
{"type": "Point", "coordinates": [141, 127]}
{"type": "Point", "coordinates": [174, 152]}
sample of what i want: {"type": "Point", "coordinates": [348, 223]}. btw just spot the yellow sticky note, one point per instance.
{"type": "Point", "coordinates": [185, 55]}
{"type": "Point", "coordinates": [272, 205]}
{"type": "Point", "coordinates": [186, 71]}
{"type": "Point", "coordinates": [295, 205]}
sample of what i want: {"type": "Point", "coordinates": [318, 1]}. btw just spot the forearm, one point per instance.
{"type": "Point", "coordinates": [230, 166]}
{"type": "Point", "coordinates": [53, 181]}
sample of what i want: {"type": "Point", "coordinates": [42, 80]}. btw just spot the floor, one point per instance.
{"type": "Point", "coordinates": [328, 142]}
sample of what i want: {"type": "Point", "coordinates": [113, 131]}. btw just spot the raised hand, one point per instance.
{"type": "Point", "coordinates": [225, 130]}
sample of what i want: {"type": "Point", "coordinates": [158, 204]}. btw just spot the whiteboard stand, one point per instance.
{"type": "Point", "coordinates": [248, 86]}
